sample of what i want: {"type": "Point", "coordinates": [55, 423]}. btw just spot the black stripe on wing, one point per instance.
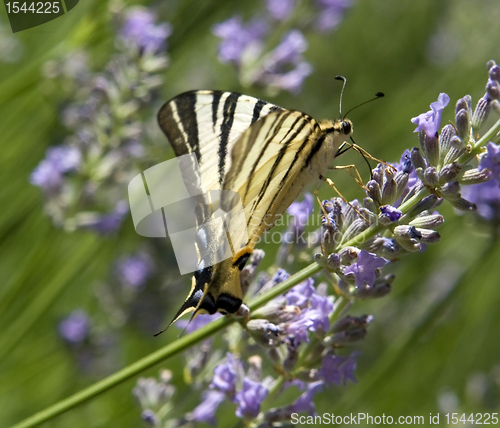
{"type": "Point", "coordinates": [225, 129]}
{"type": "Point", "coordinates": [268, 138]}
{"type": "Point", "coordinates": [292, 133]}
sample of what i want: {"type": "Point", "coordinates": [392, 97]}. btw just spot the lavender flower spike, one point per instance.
{"type": "Point", "coordinates": [140, 30]}
{"type": "Point", "coordinates": [250, 398]}
{"type": "Point", "coordinates": [280, 9]}
{"type": "Point", "coordinates": [225, 376]}
{"type": "Point", "coordinates": [205, 411]}
{"type": "Point", "coordinates": [236, 37]}
{"type": "Point", "coordinates": [429, 122]}
{"type": "Point", "coordinates": [135, 270]}
{"type": "Point", "coordinates": [301, 212]}
{"type": "Point", "coordinates": [305, 403]}
{"type": "Point", "coordinates": [75, 327]}
{"type": "Point", "coordinates": [491, 161]}
{"type": "Point", "coordinates": [364, 269]}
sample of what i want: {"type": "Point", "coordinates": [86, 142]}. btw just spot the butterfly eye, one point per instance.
{"type": "Point", "coordinates": [346, 127]}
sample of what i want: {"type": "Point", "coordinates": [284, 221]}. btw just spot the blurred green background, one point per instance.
{"type": "Point", "coordinates": [434, 344]}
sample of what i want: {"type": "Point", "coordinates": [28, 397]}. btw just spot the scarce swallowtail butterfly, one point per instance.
{"type": "Point", "coordinates": [265, 153]}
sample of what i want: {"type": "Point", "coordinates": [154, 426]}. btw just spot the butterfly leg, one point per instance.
{"type": "Point", "coordinates": [352, 171]}
{"type": "Point", "coordinates": [332, 185]}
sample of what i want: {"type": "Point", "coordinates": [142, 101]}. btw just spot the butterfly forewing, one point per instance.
{"type": "Point", "coordinates": [208, 123]}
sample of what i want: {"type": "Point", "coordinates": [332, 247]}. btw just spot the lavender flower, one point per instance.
{"type": "Point", "coordinates": [280, 276]}
{"type": "Point", "coordinates": [250, 398]}
{"type": "Point", "coordinates": [491, 161]}
{"type": "Point", "coordinates": [205, 411]}
{"type": "Point", "coordinates": [238, 38]}
{"type": "Point", "coordinates": [336, 369]}
{"type": "Point", "coordinates": [321, 307]}
{"type": "Point", "coordinates": [429, 122]}
{"type": "Point", "coordinates": [305, 403]}
{"type": "Point", "coordinates": [154, 396]}
{"type": "Point", "coordinates": [140, 30]}
{"type": "Point", "coordinates": [58, 160]}
{"type": "Point", "coordinates": [486, 196]}
{"type": "Point", "coordinates": [86, 176]}
{"type": "Point", "coordinates": [331, 13]}
{"type": "Point", "coordinates": [135, 270]}
{"type": "Point", "coordinates": [301, 293]}
{"type": "Point", "coordinates": [282, 68]}
{"type": "Point", "coordinates": [280, 9]}
{"type": "Point", "coordinates": [285, 67]}
{"type": "Point", "coordinates": [300, 212]}
{"type": "Point", "coordinates": [390, 213]}
{"type": "Point", "coordinates": [75, 328]}
{"type": "Point", "coordinates": [225, 376]}
{"type": "Point", "coordinates": [105, 224]}
{"type": "Point", "coordinates": [364, 268]}
{"type": "Point", "coordinates": [47, 176]}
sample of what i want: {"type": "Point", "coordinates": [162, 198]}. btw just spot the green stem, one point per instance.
{"type": "Point", "coordinates": [168, 351]}
{"type": "Point", "coordinates": [92, 391]}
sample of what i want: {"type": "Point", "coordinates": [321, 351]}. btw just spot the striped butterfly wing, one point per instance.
{"type": "Point", "coordinates": [261, 151]}
{"type": "Point", "coordinates": [271, 165]}
{"type": "Point", "coordinates": [208, 123]}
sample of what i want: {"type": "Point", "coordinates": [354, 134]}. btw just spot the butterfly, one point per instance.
{"type": "Point", "coordinates": [264, 153]}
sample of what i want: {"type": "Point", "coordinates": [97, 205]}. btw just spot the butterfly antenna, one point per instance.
{"type": "Point", "coordinates": [341, 92]}
{"type": "Point", "coordinates": [377, 96]}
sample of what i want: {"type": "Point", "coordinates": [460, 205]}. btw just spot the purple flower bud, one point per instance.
{"type": "Point", "coordinates": [491, 161]}
{"type": "Point", "coordinates": [236, 37]}
{"type": "Point", "coordinates": [301, 212]}
{"type": "Point", "coordinates": [140, 30]}
{"type": "Point", "coordinates": [336, 369]}
{"type": "Point", "coordinates": [331, 13]}
{"type": "Point", "coordinates": [64, 158]}
{"type": "Point", "coordinates": [205, 411]}
{"type": "Point", "coordinates": [58, 160]}
{"type": "Point", "coordinates": [280, 9]}
{"type": "Point", "coordinates": [250, 398]}
{"type": "Point", "coordinates": [47, 176]}
{"type": "Point", "coordinates": [305, 403]}
{"type": "Point", "coordinates": [225, 375]}
{"type": "Point", "coordinates": [300, 294]}
{"type": "Point", "coordinates": [486, 196]}
{"type": "Point", "coordinates": [429, 122]}
{"type": "Point", "coordinates": [321, 307]}
{"type": "Point", "coordinates": [364, 269]}
{"type": "Point", "coordinates": [105, 224]}
{"type": "Point", "coordinates": [280, 276]}
{"type": "Point", "coordinates": [391, 213]}
{"type": "Point", "coordinates": [135, 270]}
{"type": "Point", "coordinates": [75, 328]}
{"type": "Point", "coordinates": [417, 159]}
{"type": "Point", "coordinates": [481, 112]}
{"type": "Point", "coordinates": [150, 417]}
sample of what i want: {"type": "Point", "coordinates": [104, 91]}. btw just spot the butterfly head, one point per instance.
{"type": "Point", "coordinates": [340, 129]}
